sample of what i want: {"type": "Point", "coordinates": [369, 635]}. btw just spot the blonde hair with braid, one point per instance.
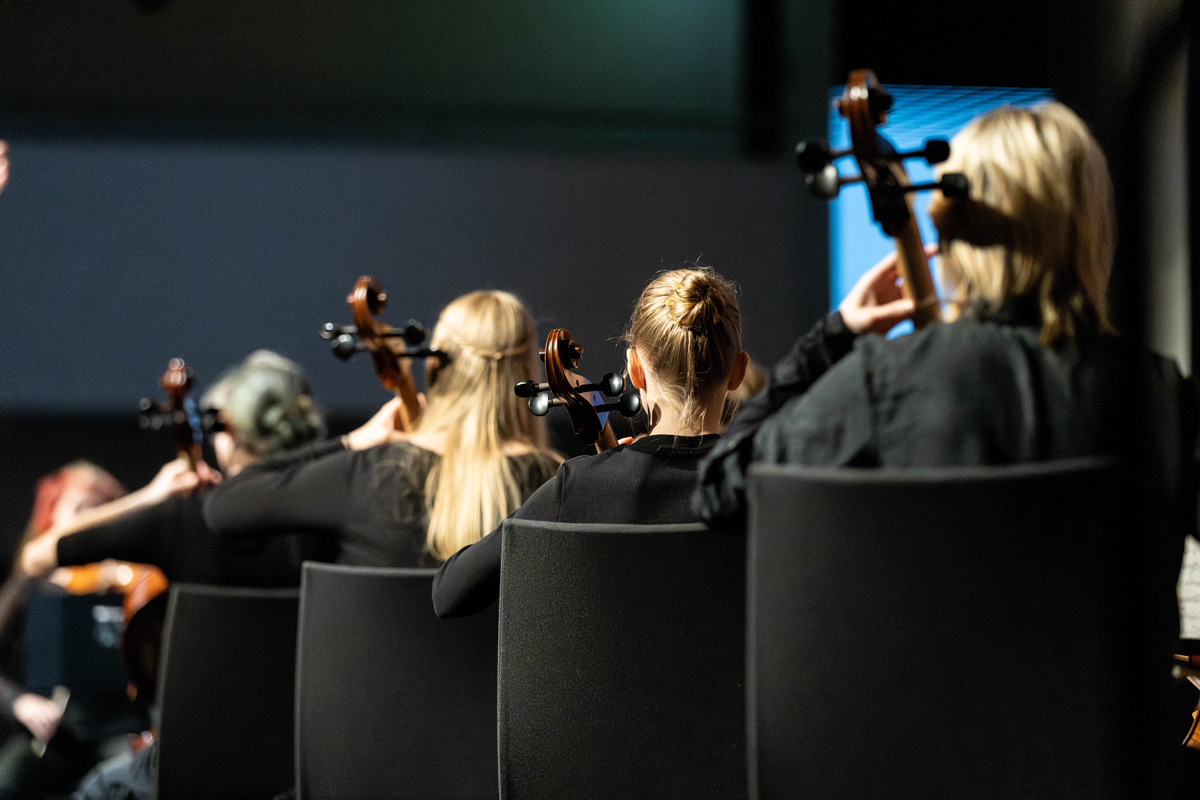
{"type": "Point", "coordinates": [490, 342]}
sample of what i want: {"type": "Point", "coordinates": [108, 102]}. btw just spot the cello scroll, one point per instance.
{"type": "Point", "coordinates": [865, 105]}
{"type": "Point", "coordinates": [584, 401]}
{"type": "Point", "coordinates": [368, 299]}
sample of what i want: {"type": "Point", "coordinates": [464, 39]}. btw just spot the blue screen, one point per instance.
{"type": "Point", "coordinates": [918, 113]}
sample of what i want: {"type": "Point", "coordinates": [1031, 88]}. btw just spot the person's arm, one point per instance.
{"type": "Point", "coordinates": [874, 305]}
{"type": "Point", "coordinates": [314, 493]}
{"type": "Point", "coordinates": [469, 581]}
{"type": "Point", "coordinates": [310, 488]}
{"type": "Point", "coordinates": [175, 478]}
{"type": "Point", "coordinates": [142, 537]}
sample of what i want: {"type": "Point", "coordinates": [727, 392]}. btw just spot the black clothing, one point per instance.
{"type": "Point", "coordinates": [648, 481]}
{"type": "Point", "coordinates": [978, 391]}
{"type": "Point", "coordinates": [94, 726]}
{"type": "Point", "coordinates": [172, 536]}
{"type": "Point", "coordinates": [374, 499]}
{"type": "Point", "coordinates": [722, 485]}
{"type": "Point", "coordinates": [984, 391]}
{"type": "Point", "coordinates": [136, 779]}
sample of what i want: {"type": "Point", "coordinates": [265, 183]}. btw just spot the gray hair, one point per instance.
{"type": "Point", "coordinates": [267, 403]}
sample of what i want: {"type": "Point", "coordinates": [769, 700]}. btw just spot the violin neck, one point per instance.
{"type": "Point", "coordinates": [192, 455]}
{"type": "Point", "coordinates": [607, 440]}
{"type": "Point", "coordinates": [409, 409]}
{"type": "Point", "coordinates": [918, 282]}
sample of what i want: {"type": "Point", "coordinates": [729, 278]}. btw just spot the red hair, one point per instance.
{"type": "Point", "coordinates": [103, 487]}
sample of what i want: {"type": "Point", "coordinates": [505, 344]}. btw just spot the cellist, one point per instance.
{"type": "Point", "coordinates": [408, 498]}
{"type": "Point", "coordinates": [1027, 366]}
{"type": "Point", "coordinates": [263, 407]}
{"type": "Point", "coordinates": [684, 355]}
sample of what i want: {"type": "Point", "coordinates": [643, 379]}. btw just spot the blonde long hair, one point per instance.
{"type": "Point", "coordinates": [489, 339]}
{"type": "Point", "coordinates": [1039, 221]}
{"type": "Point", "coordinates": [687, 326]}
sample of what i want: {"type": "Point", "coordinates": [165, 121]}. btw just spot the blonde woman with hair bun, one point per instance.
{"type": "Point", "coordinates": [407, 499]}
{"type": "Point", "coordinates": [684, 354]}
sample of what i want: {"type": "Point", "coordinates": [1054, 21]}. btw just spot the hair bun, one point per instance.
{"type": "Point", "coordinates": [693, 303]}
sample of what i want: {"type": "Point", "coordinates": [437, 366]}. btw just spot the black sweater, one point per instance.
{"type": "Point", "coordinates": [372, 500]}
{"type": "Point", "coordinates": [172, 536]}
{"type": "Point", "coordinates": [649, 481]}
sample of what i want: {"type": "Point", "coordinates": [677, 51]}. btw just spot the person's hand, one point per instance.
{"type": "Point", "coordinates": [3, 164]}
{"type": "Point", "coordinates": [207, 475]}
{"type": "Point", "coordinates": [378, 430]}
{"type": "Point", "coordinates": [177, 477]}
{"type": "Point", "coordinates": [876, 303]}
{"type": "Point", "coordinates": [40, 715]}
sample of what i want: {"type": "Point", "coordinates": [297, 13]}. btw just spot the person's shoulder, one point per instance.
{"type": "Point", "coordinates": [952, 347]}
{"type": "Point", "coordinates": [537, 464]}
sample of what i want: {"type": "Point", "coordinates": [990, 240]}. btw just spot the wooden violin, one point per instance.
{"type": "Point", "coordinates": [1189, 667]}
{"type": "Point", "coordinates": [865, 105]}
{"type": "Point", "coordinates": [584, 401]}
{"type": "Point", "coordinates": [376, 337]}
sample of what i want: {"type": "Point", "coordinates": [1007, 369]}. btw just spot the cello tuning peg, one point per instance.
{"type": "Point", "coordinates": [345, 346]}
{"type": "Point", "coordinates": [529, 388]}
{"type": "Point", "coordinates": [827, 183]}
{"type": "Point", "coordinates": [541, 402]}
{"type": "Point", "coordinates": [630, 404]}
{"type": "Point", "coordinates": [955, 184]}
{"type": "Point", "coordinates": [952, 184]}
{"type": "Point", "coordinates": [612, 384]}
{"type": "Point", "coordinates": [813, 156]}
{"type": "Point", "coordinates": [150, 415]}
{"type": "Point", "coordinates": [331, 331]}
{"type": "Point", "coordinates": [879, 101]}
{"type": "Point", "coordinates": [936, 151]}
{"type": "Point", "coordinates": [414, 333]}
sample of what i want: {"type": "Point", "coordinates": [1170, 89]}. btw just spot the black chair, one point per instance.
{"type": "Point", "coordinates": [621, 662]}
{"type": "Point", "coordinates": [226, 693]}
{"type": "Point", "coordinates": [391, 702]}
{"type": "Point", "coordinates": [940, 633]}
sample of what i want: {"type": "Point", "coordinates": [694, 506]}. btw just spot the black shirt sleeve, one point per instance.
{"type": "Point", "coordinates": [314, 490]}
{"type": "Point", "coordinates": [469, 581]}
{"type": "Point", "coordinates": [142, 537]}
{"type": "Point", "coordinates": [721, 492]}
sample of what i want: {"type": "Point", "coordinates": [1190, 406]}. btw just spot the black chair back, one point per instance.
{"type": "Point", "coordinates": [391, 701]}
{"type": "Point", "coordinates": [937, 633]}
{"type": "Point", "coordinates": [226, 692]}
{"type": "Point", "coordinates": [621, 661]}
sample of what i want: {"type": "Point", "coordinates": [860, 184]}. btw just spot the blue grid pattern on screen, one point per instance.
{"type": "Point", "coordinates": [919, 113]}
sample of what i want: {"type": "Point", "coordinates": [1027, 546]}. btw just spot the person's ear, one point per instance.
{"type": "Point", "coordinates": [637, 373]}
{"type": "Point", "coordinates": [738, 373]}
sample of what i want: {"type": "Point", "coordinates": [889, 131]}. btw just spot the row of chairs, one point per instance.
{"type": "Point", "coordinates": [900, 634]}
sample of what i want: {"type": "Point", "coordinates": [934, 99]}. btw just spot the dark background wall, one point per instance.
{"type": "Point", "coordinates": [202, 179]}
